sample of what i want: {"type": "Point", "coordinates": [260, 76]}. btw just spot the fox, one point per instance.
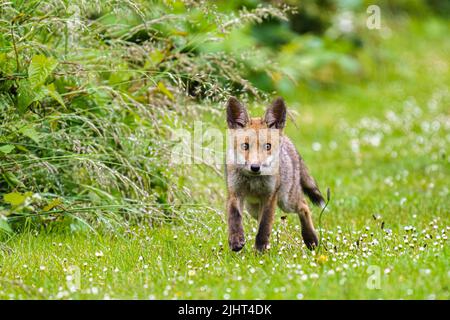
{"type": "Point", "coordinates": [265, 170]}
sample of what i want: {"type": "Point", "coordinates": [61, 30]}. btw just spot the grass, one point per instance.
{"type": "Point", "coordinates": [382, 147]}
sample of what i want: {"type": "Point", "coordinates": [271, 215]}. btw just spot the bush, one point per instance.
{"type": "Point", "coordinates": [89, 95]}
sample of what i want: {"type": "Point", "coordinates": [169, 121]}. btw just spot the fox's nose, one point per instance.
{"type": "Point", "coordinates": [255, 167]}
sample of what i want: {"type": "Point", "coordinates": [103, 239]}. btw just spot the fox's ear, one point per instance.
{"type": "Point", "coordinates": [276, 114]}
{"type": "Point", "coordinates": [237, 116]}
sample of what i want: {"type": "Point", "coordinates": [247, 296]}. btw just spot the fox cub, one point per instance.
{"type": "Point", "coordinates": [263, 170]}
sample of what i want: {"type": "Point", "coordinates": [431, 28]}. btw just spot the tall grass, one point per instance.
{"type": "Point", "coordinates": [89, 94]}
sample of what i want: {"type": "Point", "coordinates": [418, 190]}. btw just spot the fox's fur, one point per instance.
{"type": "Point", "coordinates": [261, 193]}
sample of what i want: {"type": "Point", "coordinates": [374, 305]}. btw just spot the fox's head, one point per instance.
{"type": "Point", "coordinates": [254, 142]}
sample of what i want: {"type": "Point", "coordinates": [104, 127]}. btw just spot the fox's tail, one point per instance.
{"type": "Point", "coordinates": [309, 185]}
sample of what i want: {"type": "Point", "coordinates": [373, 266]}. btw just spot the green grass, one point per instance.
{"type": "Point", "coordinates": [384, 155]}
{"type": "Point", "coordinates": [193, 262]}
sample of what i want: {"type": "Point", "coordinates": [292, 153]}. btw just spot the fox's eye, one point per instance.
{"type": "Point", "coordinates": [245, 146]}
{"type": "Point", "coordinates": [267, 146]}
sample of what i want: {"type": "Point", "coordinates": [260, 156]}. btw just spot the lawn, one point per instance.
{"type": "Point", "coordinates": [380, 145]}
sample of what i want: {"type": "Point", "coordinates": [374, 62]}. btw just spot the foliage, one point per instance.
{"type": "Point", "coordinates": [89, 94]}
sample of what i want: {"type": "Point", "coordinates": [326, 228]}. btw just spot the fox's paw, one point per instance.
{"type": "Point", "coordinates": [261, 247]}
{"type": "Point", "coordinates": [261, 244]}
{"type": "Point", "coordinates": [310, 238]}
{"type": "Point", "coordinates": [236, 242]}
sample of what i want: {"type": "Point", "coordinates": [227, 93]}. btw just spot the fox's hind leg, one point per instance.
{"type": "Point", "coordinates": [309, 234]}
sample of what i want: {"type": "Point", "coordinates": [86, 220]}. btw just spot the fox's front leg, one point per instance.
{"type": "Point", "coordinates": [236, 238]}
{"type": "Point", "coordinates": [265, 223]}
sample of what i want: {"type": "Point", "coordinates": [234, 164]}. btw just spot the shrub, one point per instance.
{"type": "Point", "coordinates": [89, 95]}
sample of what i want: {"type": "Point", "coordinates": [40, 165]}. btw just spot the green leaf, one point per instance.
{"type": "Point", "coordinates": [4, 226]}
{"type": "Point", "coordinates": [7, 148]}
{"type": "Point", "coordinates": [14, 198]}
{"type": "Point", "coordinates": [54, 203]}
{"type": "Point", "coordinates": [155, 57]}
{"type": "Point", "coordinates": [31, 133]}
{"type": "Point", "coordinates": [52, 92]}
{"type": "Point", "coordinates": [165, 91]}
{"type": "Point", "coordinates": [25, 96]}
{"type": "Point", "coordinates": [40, 68]}
{"type": "Point", "coordinates": [40, 93]}
{"type": "Point", "coordinates": [120, 74]}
